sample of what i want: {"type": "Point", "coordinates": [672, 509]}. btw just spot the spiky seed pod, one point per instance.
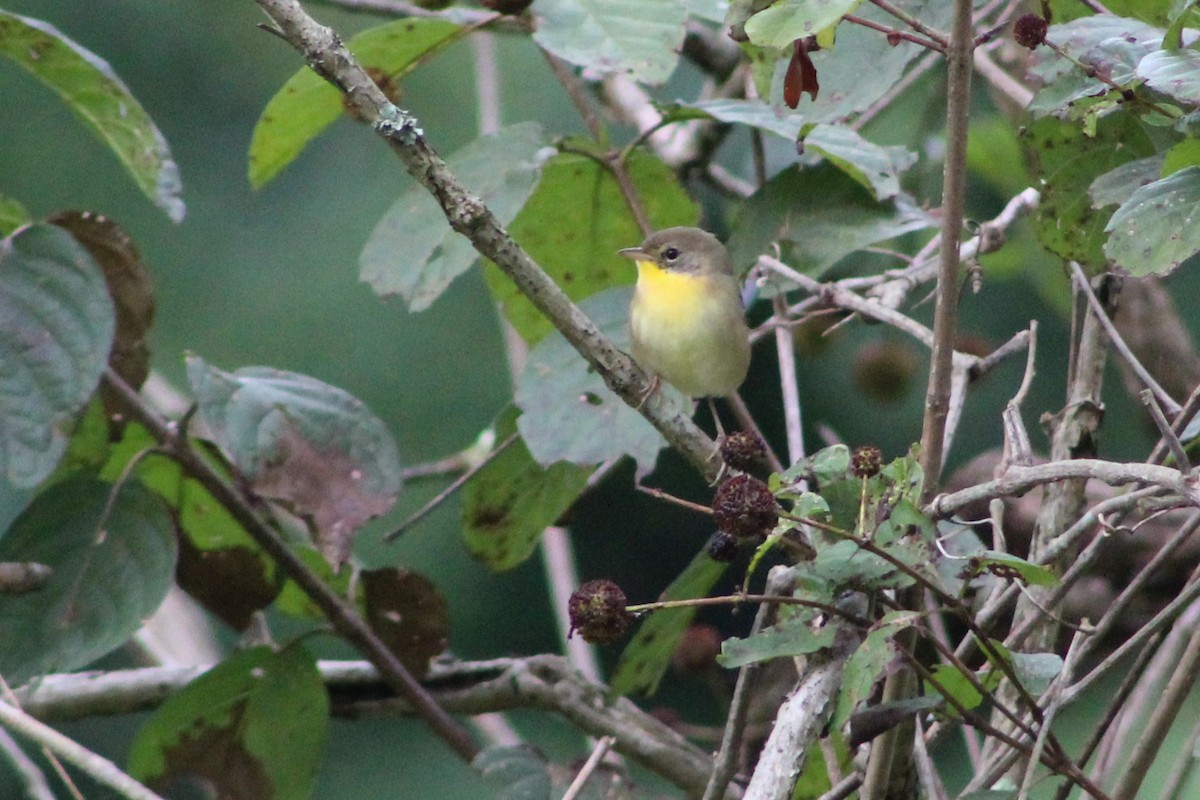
{"type": "Point", "coordinates": [866, 462]}
{"type": "Point", "coordinates": [745, 507]}
{"type": "Point", "coordinates": [597, 610]}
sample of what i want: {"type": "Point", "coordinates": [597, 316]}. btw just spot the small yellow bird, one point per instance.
{"type": "Point", "coordinates": [686, 322]}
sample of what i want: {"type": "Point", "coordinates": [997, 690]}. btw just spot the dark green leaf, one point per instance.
{"type": "Point", "coordinates": [303, 442]}
{"type": "Point", "coordinates": [12, 215]}
{"type": "Point", "coordinates": [112, 567]}
{"type": "Point", "coordinates": [1111, 45]}
{"type": "Point", "coordinates": [1158, 227]}
{"type": "Point", "coordinates": [844, 563]}
{"type": "Point", "coordinates": [646, 658]}
{"type": "Point", "coordinates": [796, 636]}
{"type": "Point", "coordinates": [520, 772]}
{"type": "Point", "coordinates": [577, 220]}
{"type": "Point", "coordinates": [1068, 162]}
{"type": "Point", "coordinates": [904, 519]}
{"type": "Point", "coordinates": [569, 414]}
{"type": "Point", "coordinates": [1182, 155]}
{"type": "Point", "coordinates": [788, 20]}
{"type": "Point", "coordinates": [509, 502]}
{"type": "Point", "coordinates": [1003, 563]}
{"type": "Point", "coordinates": [818, 229]}
{"type": "Point", "coordinates": [253, 726]}
{"type": "Point", "coordinates": [56, 328]}
{"type": "Point", "coordinates": [90, 88]}
{"type": "Point", "coordinates": [307, 104]}
{"type": "Point", "coordinates": [641, 40]}
{"type": "Point", "coordinates": [953, 685]}
{"type": "Point", "coordinates": [1037, 670]}
{"type": "Point", "coordinates": [413, 251]}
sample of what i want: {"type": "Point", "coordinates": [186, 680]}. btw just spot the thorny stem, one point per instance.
{"type": "Point", "coordinates": [345, 620]}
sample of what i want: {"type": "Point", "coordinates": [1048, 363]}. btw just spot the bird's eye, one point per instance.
{"type": "Point", "coordinates": [671, 253]}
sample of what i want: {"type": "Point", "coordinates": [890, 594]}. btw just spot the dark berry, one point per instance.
{"type": "Point", "coordinates": [744, 451]}
{"type": "Point", "coordinates": [866, 462]}
{"type": "Point", "coordinates": [597, 611]}
{"type": "Point", "coordinates": [1030, 30]}
{"type": "Point", "coordinates": [722, 547]}
{"type": "Point", "coordinates": [745, 507]}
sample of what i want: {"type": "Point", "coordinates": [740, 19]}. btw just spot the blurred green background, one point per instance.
{"type": "Point", "coordinates": [270, 278]}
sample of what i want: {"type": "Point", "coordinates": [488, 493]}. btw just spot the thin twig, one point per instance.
{"type": "Point", "coordinates": [95, 766]}
{"type": "Point", "coordinates": [454, 486]}
{"type": "Point", "coordinates": [785, 348]}
{"type": "Point", "coordinates": [589, 766]}
{"type": "Point", "coordinates": [1164, 429]}
{"type": "Point", "coordinates": [1178, 425]}
{"type": "Point", "coordinates": [1118, 343]}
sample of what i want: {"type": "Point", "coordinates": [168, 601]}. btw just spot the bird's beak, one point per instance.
{"type": "Point", "coordinates": [636, 253]}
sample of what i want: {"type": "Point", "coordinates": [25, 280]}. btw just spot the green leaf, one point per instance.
{"type": "Point", "coordinates": [56, 328]}
{"type": "Point", "coordinates": [1182, 154]}
{"type": "Point", "coordinates": [12, 215]}
{"type": "Point", "coordinates": [1117, 185]}
{"type": "Point", "coordinates": [641, 40]}
{"type": "Point", "coordinates": [1067, 162]}
{"type": "Point", "coordinates": [577, 220]}
{"type": "Point", "coordinates": [509, 502]}
{"type": "Point", "coordinates": [569, 414]}
{"type": "Point", "coordinates": [646, 658]}
{"type": "Point", "coordinates": [1109, 45]}
{"type": "Point", "coordinates": [1158, 227]}
{"type": "Point", "coordinates": [867, 663]}
{"type": "Point", "coordinates": [1005, 565]}
{"type": "Point", "coordinates": [520, 772]}
{"type": "Point", "coordinates": [709, 10]}
{"type": "Point", "coordinates": [788, 20]}
{"type": "Point", "coordinates": [90, 88]}
{"type": "Point", "coordinates": [1177, 75]}
{"type": "Point", "coordinates": [253, 726]}
{"type": "Point", "coordinates": [303, 442]}
{"type": "Point", "coordinates": [818, 229]}
{"type": "Point", "coordinates": [413, 252]}
{"type": "Point", "coordinates": [754, 113]}
{"type": "Point", "coordinates": [1037, 670]}
{"type": "Point", "coordinates": [795, 636]}
{"type": "Point", "coordinates": [112, 567]}
{"type": "Point", "coordinates": [307, 104]}
{"type": "Point", "coordinates": [953, 685]}
{"type": "Point", "coordinates": [875, 168]}
{"type": "Point", "coordinates": [844, 563]}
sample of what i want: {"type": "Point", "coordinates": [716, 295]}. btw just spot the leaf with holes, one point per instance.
{"type": "Point", "coordinates": [407, 613]}
{"type": "Point", "coordinates": [303, 442]}
{"type": "Point", "coordinates": [251, 728]}
{"type": "Point", "coordinates": [90, 88]}
{"type": "Point", "coordinates": [113, 556]}
{"type": "Point", "coordinates": [568, 412]}
{"type": "Point", "coordinates": [645, 659]}
{"type": "Point", "coordinates": [1158, 227]}
{"type": "Point", "coordinates": [56, 328]}
{"type": "Point", "coordinates": [512, 499]}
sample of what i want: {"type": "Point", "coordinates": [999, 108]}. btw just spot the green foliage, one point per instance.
{"type": "Point", "coordinates": [56, 328]}
{"type": "Point", "coordinates": [112, 552]}
{"type": "Point", "coordinates": [90, 88]}
{"type": "Point", "coordinates": [513, 499]}
{"type": "Point", "coordinates": [307, 104]}
{"type": "Point", "coordinates": [784, 21]}
{"type": "Point", "coordinates": [865, 666]}
{"type": "Point", "coordinates": [1158, 227]}
{"type": "Point", "coordinates": [12, 215]}
{"type": "Point", "coordinates": [799, 634]}
{"type": "Point", "coordinates": [412, 253]}
{"type": "Point", "coordinates": [253, 726]}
